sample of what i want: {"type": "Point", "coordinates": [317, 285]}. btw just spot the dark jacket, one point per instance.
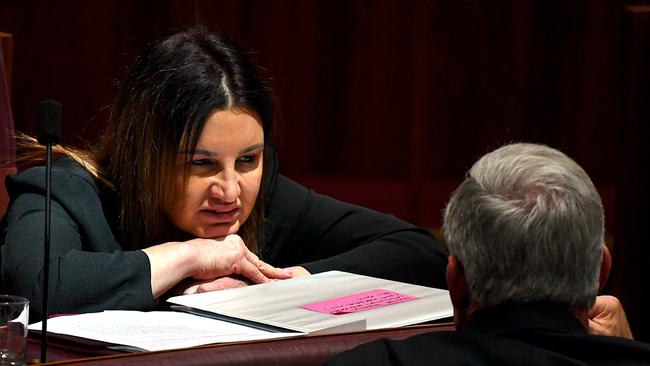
{"type": "Point", "coordinates": [89, 270]}
{"type": "Point", "coordinates": [524, 334]}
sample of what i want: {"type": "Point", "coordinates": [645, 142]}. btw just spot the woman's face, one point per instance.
{"type": "Point", "coordinates": [224, 179]}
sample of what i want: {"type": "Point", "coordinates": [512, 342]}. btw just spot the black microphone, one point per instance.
{"type": "Point", "coordinates": [48, 117]}
{"type": "Point", "coordinates": [48, 120]}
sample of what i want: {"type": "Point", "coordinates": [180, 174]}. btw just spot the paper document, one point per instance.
{"type": "Point", "coordinates": [328, 302]}
{"type": "Point", "coordinates": [155, 330]}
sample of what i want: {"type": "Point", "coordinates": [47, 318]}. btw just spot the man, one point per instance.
{"type": "Point", "coordinates": [525, 234]}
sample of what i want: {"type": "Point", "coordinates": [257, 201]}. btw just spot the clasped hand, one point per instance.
{"type": "Point", "coordinates": [209, 264]}
{"type": "Point", "coordinates": [607, 318]}
{"type": "Point", "coordinates": [227, 263]}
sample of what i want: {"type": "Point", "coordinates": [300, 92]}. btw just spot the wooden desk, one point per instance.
{"type": "Point", "coordinates": [312, 350]}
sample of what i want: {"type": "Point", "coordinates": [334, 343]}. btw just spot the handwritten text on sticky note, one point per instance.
{"type": "Point", "coordinates": [359, 302]}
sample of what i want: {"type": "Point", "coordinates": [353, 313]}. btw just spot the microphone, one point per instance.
{"type": "Point", "coordinates": [48, 117]}
{"type": "Point", "coordinates": [48, 120]}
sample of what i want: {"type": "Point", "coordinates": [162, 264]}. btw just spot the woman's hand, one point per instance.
{"type": "Point", "coordinates": [206, 259]}
{"type": "Point", "coordinates": [229, 255]}
{"type": "Point", "coordinates": [234, 281]}
{"type": "Point", "coordinates": [298, 271]}
{"type": "Point", "coordinates": [221, 283]}
{"type": "Point", "coordinates": [226, 282]}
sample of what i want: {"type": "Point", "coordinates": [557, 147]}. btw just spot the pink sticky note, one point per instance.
{"type": "Point", "coordinates": [359, 302]}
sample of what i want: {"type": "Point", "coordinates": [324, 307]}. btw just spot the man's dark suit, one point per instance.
{"type": "Point", "coordinates": [523, 334]}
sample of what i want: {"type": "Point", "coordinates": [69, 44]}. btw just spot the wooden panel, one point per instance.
{"type": "Point", "coordinates": [382, 90]}
{"type": "Point", "coordinates": [405, 95]}
{"type": "Point", "coordinates": [7, 45]}
{"type": "Point", "coordinates": [388, 103]}
{"type": "Point", "coordinates": [6, 120]}
{"type": "Point", "coordinates": [631, 255]}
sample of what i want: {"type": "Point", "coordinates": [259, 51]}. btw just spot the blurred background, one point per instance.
{"type": "Point", "coordinates": [387, 103]}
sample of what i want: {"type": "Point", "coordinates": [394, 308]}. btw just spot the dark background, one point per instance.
{"type": "Point", "coordinates": [388, 103]}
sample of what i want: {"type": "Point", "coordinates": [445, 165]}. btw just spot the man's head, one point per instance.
{"type": "Point", "coordinates": [526, 225]}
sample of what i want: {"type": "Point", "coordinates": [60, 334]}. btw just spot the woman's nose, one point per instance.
{"type": "Point", "coordinates": [225, 187]}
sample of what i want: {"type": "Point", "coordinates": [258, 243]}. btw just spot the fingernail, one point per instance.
{"type": "Point", "coordinates": [288, 270]}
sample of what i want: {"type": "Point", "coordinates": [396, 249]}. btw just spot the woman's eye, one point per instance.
{"type": "Point", "coordinates": [247, 159]}
{"type": "Point", "coordinates": [200, 162]}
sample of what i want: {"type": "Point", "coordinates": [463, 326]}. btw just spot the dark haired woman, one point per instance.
{"type": "Point", "coordinates": [183, 193]}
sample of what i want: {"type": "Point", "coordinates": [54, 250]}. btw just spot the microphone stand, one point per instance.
{"type": "Point", "coordinates": [46, 249]}
{"type": "Point", "coordinates": [49, 132]}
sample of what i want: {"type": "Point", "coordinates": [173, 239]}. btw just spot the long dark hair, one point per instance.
{"type": "Point", "coordinates": [160, 109]}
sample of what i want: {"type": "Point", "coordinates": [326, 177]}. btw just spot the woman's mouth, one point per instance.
{"type": "Point", "coordinates": [221, 216]}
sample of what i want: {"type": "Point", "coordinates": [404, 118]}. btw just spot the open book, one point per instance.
{"type": "Point", "coordinates": [328, 302]}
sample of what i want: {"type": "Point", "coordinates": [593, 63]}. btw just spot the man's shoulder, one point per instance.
{"type": "Point", "coordinates": [439, 348]}
{"type": "Point", "coordinates": [472, 348]}
{"type": "Point", "coordinates": [593, 349]}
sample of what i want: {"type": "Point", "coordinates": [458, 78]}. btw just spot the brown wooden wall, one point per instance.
{"type": "Point", "coordinates": [382, 103]}
{"type": "Point", "coordinates": [630, 278]}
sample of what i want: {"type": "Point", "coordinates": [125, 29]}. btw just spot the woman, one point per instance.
{"type": "Point", "coordinates": [182, 194]}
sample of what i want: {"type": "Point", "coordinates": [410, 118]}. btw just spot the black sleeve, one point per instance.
{"type": "Point", "coordinates": [88, 271]}
{"type": "Point", "coordinates": [320, 233]}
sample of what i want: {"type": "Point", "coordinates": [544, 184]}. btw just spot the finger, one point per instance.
{"type": "Point", "coordinates": [274, 272]}
{"type": "Point", "coordinates": [298, 271]}
{"type": "Point", "coordinates": [191, 290]}
{"type": "Point", "coordinates": [220, 284]}
{"type": "Point", "coordinates": [594, 312]}
{"type": "Point", "coordinates": [598, 309]}
{"type": "Point", "coordinates": [252, 272]}
{"type": "Point", "coordinates": [596, 328]}
{"type": "Point", "coordinates": [268, 270]}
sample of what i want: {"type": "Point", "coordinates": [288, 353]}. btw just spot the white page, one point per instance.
{"type": "Point", "coordinates": [155, 330]}
{"type": "Point", "coordinates": [279, 303]}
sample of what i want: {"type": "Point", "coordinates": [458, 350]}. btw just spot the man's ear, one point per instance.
{"type": "Point", "coordinates": [458, 290]}
{"type": "Point", "coordinates": [458, 287]}
{"type": "Point", "coordinates": [605, 267]}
